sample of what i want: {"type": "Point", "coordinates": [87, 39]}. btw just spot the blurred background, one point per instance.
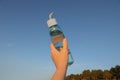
{"type": "Point", "coordinates": [92, 28]}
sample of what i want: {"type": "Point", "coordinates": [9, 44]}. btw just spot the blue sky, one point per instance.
{"type": "Point", "coordinates": [92, 28]}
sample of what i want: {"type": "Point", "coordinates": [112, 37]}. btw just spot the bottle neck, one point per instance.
{"type": "Point", "coordinates": [54, 27]}
{"type": "Point", "coordinates": [55, 30]}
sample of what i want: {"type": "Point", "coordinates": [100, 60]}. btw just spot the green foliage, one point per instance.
{"type": "Point", "coordinates": [115, 71]}
{"type": "Point", "coordinates": [112, 74]}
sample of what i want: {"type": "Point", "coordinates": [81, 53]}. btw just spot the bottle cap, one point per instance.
{"type": "Point", "coordinates": [51, 21]}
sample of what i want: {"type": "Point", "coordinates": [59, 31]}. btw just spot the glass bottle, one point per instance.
{"type": "Point", "coordinates": [57, 36]}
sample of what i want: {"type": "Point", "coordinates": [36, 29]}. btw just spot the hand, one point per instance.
{"type": "Point", "coordinates": [60, 58]}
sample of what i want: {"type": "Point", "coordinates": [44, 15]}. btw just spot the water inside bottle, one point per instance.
{"type": "Point", "coordinates": [57, 38]}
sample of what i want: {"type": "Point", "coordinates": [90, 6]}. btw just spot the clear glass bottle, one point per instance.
{"type": "Point", "coordinates": [57, 36]}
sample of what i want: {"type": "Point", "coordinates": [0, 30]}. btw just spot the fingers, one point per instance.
{"type": "Point", "coordinates": [53, 49]}
{"type": "Point", "coordinates": [65, 44]}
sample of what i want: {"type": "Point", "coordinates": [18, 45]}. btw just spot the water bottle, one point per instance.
{"type": "Point", "coordinates": [57, 36]}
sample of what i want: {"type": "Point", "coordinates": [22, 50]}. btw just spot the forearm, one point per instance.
{"type": "Point", "coordinates": [60, 74]}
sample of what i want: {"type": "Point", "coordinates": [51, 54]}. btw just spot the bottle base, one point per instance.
{"type": "Point", "coordinates": [70, 63]}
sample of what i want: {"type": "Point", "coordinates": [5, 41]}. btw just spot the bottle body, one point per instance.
{"type": "Point", "coordinates": [57, 37]}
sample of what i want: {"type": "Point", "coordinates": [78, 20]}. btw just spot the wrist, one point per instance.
{"type": "Point", "coordinates": [62, 67]}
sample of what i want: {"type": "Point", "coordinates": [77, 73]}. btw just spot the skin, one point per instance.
{"type": "Point", "coordinates": [60, 59]}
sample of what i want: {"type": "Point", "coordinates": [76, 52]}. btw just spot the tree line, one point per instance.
{"type": "Point", "coordinates": [111, 74]}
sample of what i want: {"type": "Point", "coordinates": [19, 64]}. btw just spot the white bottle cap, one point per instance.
{"type": "Point", "coordinates": [51, 22]}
